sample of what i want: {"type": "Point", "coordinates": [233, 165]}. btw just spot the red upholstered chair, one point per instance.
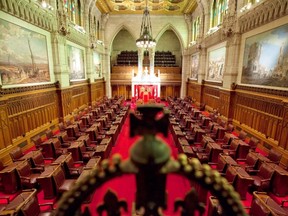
{"type": "Point", "coordinates": [16, 154]}
{"type": "Point", "coordinates": [205, 140]}
{"type": "Point", "coordinates": [72, 169]}
{"type": "Point", "coordinates": [61, 183]}
{"type": "Point", "coordinates": [274, 156]}
{"type": "Point", "coordinates": [37, 141]}
{"type": "Point", "coordinates": [253, 142]}
{"type": "Point", "coordinates": [242, 135]}
{"type": "Point", "coordinates": [250, 162]}
{"type": "Point", "coordinates": [263, 178]}
{"type": "Point", "coordinates": [49, 134]}
{"type": "Point", "coordinates": [28, 175]}
{"type": "Point", "coordinates": [86, 154]}
{"type": "Point", "coordinates": [58, 149]}
{"type": "Point", "coordinates": [231, 175]}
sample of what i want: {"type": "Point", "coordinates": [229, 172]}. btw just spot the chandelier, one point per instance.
{"type": "Point", "coordinates": [146, 41]}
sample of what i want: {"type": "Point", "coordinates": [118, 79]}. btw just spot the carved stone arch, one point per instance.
{"type": "Point", "coordinates": [171, 27]}
{"type": "Point", "coordinates": [205, 5]}
{"type": "Point", "coordinates": [121, 27]}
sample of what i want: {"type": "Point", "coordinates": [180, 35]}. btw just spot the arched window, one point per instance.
{"type": "Point", "coordinates": [98, 30]}
{"type": "Point", "coordinates": [73, 10]}
{"type": "Point", "coordinates": [195, 28]}
{"type": "Point", "coordinates": [218, 10]}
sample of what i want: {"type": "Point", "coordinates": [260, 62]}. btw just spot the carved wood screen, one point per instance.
{"type": "Point", "coordinates": [263, 114]}
{"type": "Point", "coordinates": [27, 112]}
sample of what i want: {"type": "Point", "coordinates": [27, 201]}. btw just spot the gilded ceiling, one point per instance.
{"type": "Point", "coordinates": [160, 7]}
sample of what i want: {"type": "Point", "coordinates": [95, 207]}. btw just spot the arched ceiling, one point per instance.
{"type": "Point", "coordinates": [159, 7]}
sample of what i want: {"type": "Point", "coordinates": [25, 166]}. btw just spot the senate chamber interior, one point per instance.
{"type": "Point", "coordinates": [144, 107]}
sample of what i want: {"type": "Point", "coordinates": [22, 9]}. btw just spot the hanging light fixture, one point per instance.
{"type": "Point", "coordinates": [146, 41]}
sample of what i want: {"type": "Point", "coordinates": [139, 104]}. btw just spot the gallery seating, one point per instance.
{"type": "Point", "coordinates": [61, 183]}
{"type": "Point", "coordinates": [262, 204]}
{"type": "Point", "coordinates": [28, 175]}
{"type": "Point", "coordinates": [274, 156]}
{"type": "Point", "coordinates": [262, 181]}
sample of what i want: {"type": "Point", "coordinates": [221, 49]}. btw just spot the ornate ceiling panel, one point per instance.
{"type": "Point", "coordinates": [160, 7]}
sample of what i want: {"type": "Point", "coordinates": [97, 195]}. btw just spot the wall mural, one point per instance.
{"type": "Point", "coordinates": [266, 58]}
{"type": "Point", "coordinates": [216, 61]}
{"type": "Point", "coordinates": [23, 55]}
{"type": "Point", "coordinates": [76, 63]}
{"type": "Point", "coordinates": [97, 64]}
{"type": "Point", "coordinates": [194, 66]}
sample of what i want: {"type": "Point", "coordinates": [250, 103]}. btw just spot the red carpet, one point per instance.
{"type": "Point", "coordinates": [126, 185]}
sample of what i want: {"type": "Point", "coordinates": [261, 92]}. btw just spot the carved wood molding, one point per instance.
{"type": "Point", "coordinates": [276, 92]}
{"type": "Point", "coordinates": [30, 12]}
{"type": "Point", "coordinates": [263, 14]}
{"type": "Point", "coordinates": [212, 83]}
{"type": "Point", "coordinates": [22, 89]}
{"type": "Point", "coordinates": [78, 82]}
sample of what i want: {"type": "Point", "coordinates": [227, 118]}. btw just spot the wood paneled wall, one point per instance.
{"type": "Point", "coordinates": [262, 113]}
{"type": "Point", "coordinates": [28, 111]}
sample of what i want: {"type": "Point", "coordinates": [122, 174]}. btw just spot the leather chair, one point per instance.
{"type": "Point", "coordinates": [72, 169]}
{"type": "Point", "coordinates": [253, 142]}
{"type": "Point", "coordinates": [65, 141]}
{"type": "Point", "coordinates": [86, 154]}
{"type": "Point", "coordinates": [16, 154]}
{"type": "Point", "coordinates": [58, 149]}
{"type": "Point", "coordinates": [231, 175]}
{"type": "Point", "coordinates": [251, 162]}
{"type": "Point", "coordinates": [238, 149]}
{"type": "Point", "coordinates": [230, 128]}
{"type": "Point", "coordinates": [274, 156]}
{"type": "Point", "coordinates": [37, 141]}
{"type": "Point", "coordinates": [49, 134]}
{"type": "Point", "coordinates": [28, 176]}
{"type": "Point", "coordinates": [61, 183]}
{"type": "Point", "coordinates": [242, 135]}
{"type": "Point", "coordinates": [263, 178]}
{"type": "Point", "coordinates": [205, 140]}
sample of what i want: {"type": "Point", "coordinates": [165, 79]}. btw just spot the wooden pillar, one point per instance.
{"type": "Point", "coordinates": [5, 135]}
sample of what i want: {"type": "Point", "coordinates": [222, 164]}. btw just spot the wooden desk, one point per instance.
{"type": "Point", "coordinates": [74, 148]}
{"type": "Point", "coordinates": [268, 203]}
{"type": "Point", "coordinates": [216, 150]}
{"type": "Point", "coordinates": [242, 182]}
{"type": "Point", "coordinates": [14, 207]}
{"type": "Point", "coordinates": [32, 156]}
{"type": "Point", "coordinates": [46, 181]}
{"type": "Point", "coordinates": [93, 162]}
{"type": "Point", "coordinates": [102, 151]}
{"type": "Point", "coordinates": [71, 130]}
{"type": "Point", "coordinates": [214, 207]}
{"type": "Point", "coordinates": [279, 180]}
{"type": "Point", "coordinates": [261, 159]}
{"type": "Point", "coordinates": [48, 150]}
{"type": "Point", "coordinates": [242, 149]}
{"type": "Point", "coordinates": [10, 177]}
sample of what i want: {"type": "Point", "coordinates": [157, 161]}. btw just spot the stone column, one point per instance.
{"type": "Point", "coordinates": [106, 73]}
{"type": "Point", "coordinates": [89, 64]}
{"type": "Point", "coordinates": [202, 63]}
{"type": "Point", "coordinates": [188, 20]}
{"type": "Point", "coordinates": [185, 73]}
{"type": "Point", "coordinates": [231, 61]}
{"type": "Point", "coordinates": [59, 53]}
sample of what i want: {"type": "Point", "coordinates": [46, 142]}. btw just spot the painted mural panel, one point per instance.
{"type": "Point", "coordinates": [23, 55]}
{"type": "Point", "coordinates": [76, 63]}
{"type": "Point", "coordinates": [194, 66]}
{"type": "Point", "coordinates": [216, 61]}
{"type": "Point", "coordinates": [97, 65]}
{"type": "Point", "coordinates": [265, 59]}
